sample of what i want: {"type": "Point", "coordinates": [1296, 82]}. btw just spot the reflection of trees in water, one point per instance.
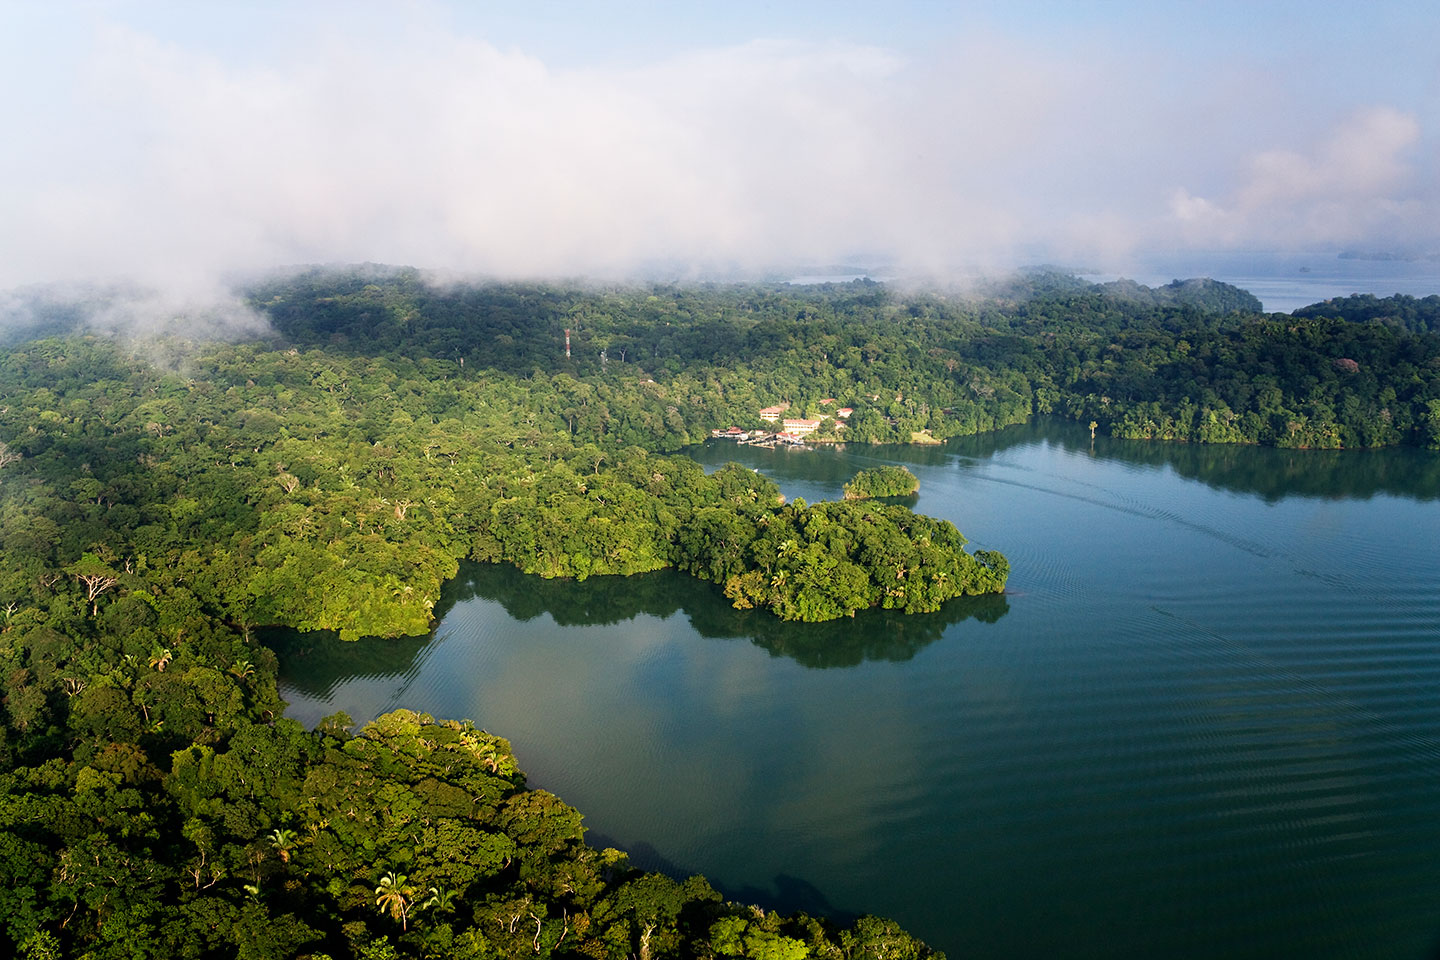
{"type": "Point", "coordinates": [786, 893]}
{"type": "Point", "coordinates": [870, 635]}
{"type": "Point", "coordinates": [570, 603]}
{"type": "Point", "coordinates": [1267, 472]}
{"type": "Point", "coordinates": [314, 663]}
{"type": "Point", "coordinates": [1276, 474]}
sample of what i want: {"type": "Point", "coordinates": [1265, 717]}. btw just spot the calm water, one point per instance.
{"type": "Point", "coordinates": [1205, 722]}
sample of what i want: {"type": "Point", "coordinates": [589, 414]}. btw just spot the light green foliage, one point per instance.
{"type": "Point", "coordinates": [726, 936]}
{"type": "Point", "coordinates": [41, 945]}
{"type": "Point", "coordinates": [1431, 421]}
{"type": "Point", "coordinates": [883, 481]}
{"type": "Point", "coordinates": [875, 937]}
{"type": "Point", "coordinates": [832, 559]}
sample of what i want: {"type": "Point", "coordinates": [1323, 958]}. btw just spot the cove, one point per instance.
{"type": "Point", "coordinates": [1202, 722]}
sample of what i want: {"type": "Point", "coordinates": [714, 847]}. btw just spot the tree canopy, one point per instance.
{"type": "Point", "coordinates": [160, 501]}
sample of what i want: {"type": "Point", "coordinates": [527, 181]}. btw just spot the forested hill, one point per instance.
{"type": "Point", "coordinates": [660, 366]}
{"type": "Point", "coordinates": [1415, 314]}
{"type": "Point", "coordinates": [1198, 293]}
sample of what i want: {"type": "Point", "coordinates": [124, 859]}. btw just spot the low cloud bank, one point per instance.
{"type": "Point", "coordinates": [166, 164]}
{"type": "Point", "coordinates": [159, 321]}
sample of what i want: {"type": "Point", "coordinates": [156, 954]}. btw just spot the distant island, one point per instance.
{"type": "Point", "coordinates": [1400, 256]}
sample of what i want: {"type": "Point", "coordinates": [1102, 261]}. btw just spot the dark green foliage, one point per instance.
{"type": "Point", "coordinates": [1402, 312]}
{"type": "Point", "coordinates": [336, 488]}
{"type": "Point", "coordinates": [657, 367]}
{"type": "Point", "coordinates": [413, 837]}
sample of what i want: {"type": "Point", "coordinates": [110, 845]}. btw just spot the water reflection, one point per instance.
{"type": "Point", "coordinates": [314, 663]}
{"type": "Point", "coordinates": [785, 892]}
{"type": "Point", "coordinates": [1266, 472]}
{"type": "Point", "coordinates": [871, 635]}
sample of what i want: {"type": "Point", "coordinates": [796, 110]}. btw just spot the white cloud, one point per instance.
{"type": "Point", "coordinates": [165, 162]}
{"type": "Point", "coordinates": [1361, 183]}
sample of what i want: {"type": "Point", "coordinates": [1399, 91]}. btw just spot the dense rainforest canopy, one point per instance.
{"type": "Point", "coordinates": [1415, 314]}
{"type": "Point", "coordinates": [158, 500]}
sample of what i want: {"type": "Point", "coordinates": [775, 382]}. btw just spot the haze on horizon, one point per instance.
{"type": "Point", "coordinates": [177, 143]}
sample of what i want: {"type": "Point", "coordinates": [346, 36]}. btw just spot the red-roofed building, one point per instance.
{"type": "Point", "coordinates": [801, 427]}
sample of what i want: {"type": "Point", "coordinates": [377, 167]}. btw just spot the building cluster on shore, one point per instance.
{"type": "Point", "coordinates": [792, 432]}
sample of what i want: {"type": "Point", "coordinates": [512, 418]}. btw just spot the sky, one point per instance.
{"type": "Point", "coordinates": [178, 142]}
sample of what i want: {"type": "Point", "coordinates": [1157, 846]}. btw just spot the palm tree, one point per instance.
{"type": "Point", "coordinates": [162, 659]}
{"type": "Point", "coordinates": [394, 896]}
{"type": "Point", "coordinates": [284, 841]}
{"type": "Point", "coordinates": [242, 669]}
{"type": "Point", "coordinates": [441, 900]}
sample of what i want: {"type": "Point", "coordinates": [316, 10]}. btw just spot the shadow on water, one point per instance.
{"type": "Point", "coordinates": [869, 635]}
{"type": "Point", "coordinates": [1267, 472]}
{"type": "Point", "coordinates": [314, 663]}
{"type": "Point", "coordinates": [787, 894]}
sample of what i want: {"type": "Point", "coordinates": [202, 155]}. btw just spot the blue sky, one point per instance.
{"type": "Point", "coordinates": [543, 137]}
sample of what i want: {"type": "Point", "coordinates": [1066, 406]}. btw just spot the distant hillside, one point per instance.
{"type": "Point", "coordinates": [1210, 296]}
{"type": "Point", "coordinates": [1404, 312]}
{"type": "Point", "coordinates": [1201, 293]}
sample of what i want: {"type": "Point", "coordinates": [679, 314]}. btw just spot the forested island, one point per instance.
{"type": "Point", "coordinates": [885, 481]}
{"type": "Point", "coordinates": [161, 500]}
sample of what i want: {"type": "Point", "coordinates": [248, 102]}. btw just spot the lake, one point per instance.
{"type": "Point", "coordinates": [1204, 721]}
